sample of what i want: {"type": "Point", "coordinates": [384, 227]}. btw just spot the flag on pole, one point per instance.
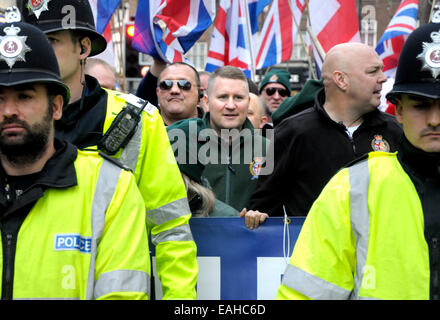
{"type": "Point", "coordinates": [332, 22]}
{"type": "Point", "coordinates": [279, 32]}
{"type": "Point", "coordinates": [167, 29]}
{"type": "Point", "coordinates": [231, 40]}
{"type": "Point", "coordinates": [255, 8]}
{"type": "Point", "coordinates": [102, 12]}
{"type": "Point", "coordinates": [391, 43]}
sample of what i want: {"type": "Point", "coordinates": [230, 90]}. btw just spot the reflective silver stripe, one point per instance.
{"type": "Point", "coordinates": [312, 286]}
{"type": "Point", "coordinates": [168, 212]}
{"type": "Point", "coordinates": [130, 154]}
{"type": "Point", "coordinates": [359, 216]}
{"type": "Point", "coordinates": [122, 281]}
{"type": "Point", "coordinates": [47, 298]}
{"type": "Point", "coordinates": [104, 191]}
{"type": "Point", "coordinates": [180, 233]}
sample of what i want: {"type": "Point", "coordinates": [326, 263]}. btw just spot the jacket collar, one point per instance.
{"type": "Point", "coordinates": [72, 112]}
{"type": "Point", "coordinates": [372, 118]}
{"type": "Point", "coordinates": [59, 171]}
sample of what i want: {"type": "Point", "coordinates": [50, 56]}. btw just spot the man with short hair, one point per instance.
{"type": "Point", "coordinates": [257, 111]}
{"type": "Point", "coordinates": [178, 93]}
{"type": "Point", "coordinates": [64, 213]}
{"type": "Point", "coordinates": [275, 88]}
{"type": "Point", "coordinates": [241, 152]}
{"type": "Point", "coordinates": [102, 71]}
{"type": "Point", "coordinates": [344, 124]}
{"type": "Point", "coordinates": [373, 233]}
{"type": "Point", "coordinates": [70, 27]}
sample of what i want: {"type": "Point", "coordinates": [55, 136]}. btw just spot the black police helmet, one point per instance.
{"type": "Point", "coordinates": [58, 15]}
{"type": "Point", "coordinates": [418, 70]}
{"type": "Point", "coordinates": [26, 56]}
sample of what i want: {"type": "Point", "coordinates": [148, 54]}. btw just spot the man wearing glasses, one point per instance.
{"type": "Point", "coordinates": [178, 93]}
{"type": "Point", "coordinates": [274, 88]}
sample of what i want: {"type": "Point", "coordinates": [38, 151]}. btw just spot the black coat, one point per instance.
{"type": "Point", "coordinates": [309, 148]}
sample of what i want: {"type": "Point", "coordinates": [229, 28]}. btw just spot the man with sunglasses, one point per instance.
{"type": "Point", "coordinates": [70, 27]}
{"type": "Point", "coordinates": [275, 88]}
{"type": "Point", "coordinates": [344, 124]}
{"type": "Point", "coordinates": [178, 93]}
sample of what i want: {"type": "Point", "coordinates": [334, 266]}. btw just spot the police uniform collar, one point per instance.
{"type": "Point", "coordinates": [424, 164]}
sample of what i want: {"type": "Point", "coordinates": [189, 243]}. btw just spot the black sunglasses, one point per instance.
{"type": "Point", "coordinates": [182, 84]}
{"type": "Point", "coordinates": [281, 92]}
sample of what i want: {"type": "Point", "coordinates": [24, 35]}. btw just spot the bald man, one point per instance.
{"type": "Point", "coordinates": [256, 111]}
{"type": "Point", "coordinates": [311, 146]}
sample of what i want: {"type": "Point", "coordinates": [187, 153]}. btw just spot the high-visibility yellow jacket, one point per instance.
{"type": "Point", "coordinates": [158, 177]}
{"type": "Point", "coordinates": [83, 238]}
{"type": "Point", "coordinates": [363, 238]}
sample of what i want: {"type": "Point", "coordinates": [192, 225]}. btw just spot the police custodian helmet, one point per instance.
{"type": "Point", "coordinates": [26, 56]}
{"type": "Point", "coordinates": [58, 15]}
{"type": "Point", "coordinates": [418, 70]}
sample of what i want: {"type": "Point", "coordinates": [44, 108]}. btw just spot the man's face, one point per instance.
{"type": "Point", "coordinates": [26, 120]}
{"type": "Point", "coordinates": [105, 77]}
{"type": "Point", "coordinates": [273, 94]}
{"type": "Point", "coordinates": [67, 53]}
{"type": "Point", "coordinates": [176, 103]}
{"type": "Point", "coordinates": [365, 80]}
{"type": "Point", "coordinates": [228, 101]}
{"type": "Point", "coordinates": [255, 114]}
{"type": "Point", "coordinates": [420, 118]}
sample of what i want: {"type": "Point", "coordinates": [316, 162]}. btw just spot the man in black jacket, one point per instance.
{"type": "Point", "coordinates": [310, 147]}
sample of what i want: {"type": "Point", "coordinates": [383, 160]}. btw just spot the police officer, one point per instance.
{"type": "Point", "coordinates": [374, 231]}
{"type": "Point", "coordinates": [59, 206]}
{"type": "Point", "coordinates": [69, 25]}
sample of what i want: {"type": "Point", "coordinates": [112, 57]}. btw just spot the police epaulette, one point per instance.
{"type": "Point", "coordinates": [137, 102]}
{"type": "Point", "coordinates": [114, 161]}
{"type": "Point", "coordinates": [357, 160]}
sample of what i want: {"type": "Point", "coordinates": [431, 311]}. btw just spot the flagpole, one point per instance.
{"type": "Point", "coordinates": [251, 42]}
{"type": "Point", "coordinates": [309, 59]}
{"type": "Point", "coordinates": [315, 40]}
{"type": "Point", "coordinates": [434, 2]}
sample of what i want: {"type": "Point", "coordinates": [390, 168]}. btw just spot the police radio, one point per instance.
{"type": "Point", "coordinates": [123, 127]}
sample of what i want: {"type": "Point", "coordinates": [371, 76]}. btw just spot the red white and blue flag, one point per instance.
{"type": "Point", "coordinates": [279, 32]}
{"type": "Point", "coordinates": [333, 22]}
{"type": "Point", "coordinates": [102, 12]}
{"type": "Point", "coordinates": [231, 41]}
{"type": "Point", "coordinates": [167, 29]}
{"type": "Point", "coordinates": [391, 43]}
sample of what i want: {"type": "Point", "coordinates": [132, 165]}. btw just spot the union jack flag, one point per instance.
{"type": "Point", "coordinates": [279, 32]}
{"type": "Point", "coordinates": [401, 25]}
{"type": "Point", "coordinates": [231, 41]}
{"type": "Point", "coordinates": [167, 29]}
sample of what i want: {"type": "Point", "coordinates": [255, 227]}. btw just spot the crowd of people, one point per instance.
{"type": "Point", "coordinates": [194, 144]}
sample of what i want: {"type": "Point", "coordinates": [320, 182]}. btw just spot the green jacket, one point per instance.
{"type": "Point", "coordinates": [221, 209]}
{"type": "Point", "coordinates": [234, 173]}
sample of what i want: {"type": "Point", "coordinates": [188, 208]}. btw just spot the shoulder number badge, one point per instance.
{"type": "Point", "coordinates": [380, 144]}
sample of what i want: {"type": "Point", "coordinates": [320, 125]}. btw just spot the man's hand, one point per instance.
{"type": "Point", "coordinates": [252, 219]}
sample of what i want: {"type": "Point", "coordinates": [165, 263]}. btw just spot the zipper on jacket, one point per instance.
{"type": "Point", "coordinates": [353, 146]}
{"type": "Point", "coordinates": [8, 266]}
{"type": "Point", "coordinates": [435, 259]}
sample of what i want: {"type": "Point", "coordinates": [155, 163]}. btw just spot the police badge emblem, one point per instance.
{"type": "Point", "coordinates": [380, 144]}
{"type": "Point", "coordinates": [12, 46]}
{"type": "Point", "coordinates": [38, 6]}
{"type": "Point", "coordinates": [430, 56]}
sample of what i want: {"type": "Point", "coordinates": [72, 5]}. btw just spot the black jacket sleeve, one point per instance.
{"type": "Point", "coordinates": [147, 88]}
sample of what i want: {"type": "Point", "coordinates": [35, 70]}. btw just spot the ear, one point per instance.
{"type": "Point", "coordinates": [399, 111]}
{"type": "Point", "coordinates": [205, 100]}
{"type": "Point", "coordinates": [85, 47]}
{"type": "Point", "coordinates": [57, 107]}
{"type": "Point", "coordinates": [263, 121]}
{"type": "Point", "coordinates": [340, 79]}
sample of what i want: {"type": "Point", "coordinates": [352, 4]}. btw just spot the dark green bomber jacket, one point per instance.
{"type": "Point", "coordinates": [235, 173]}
